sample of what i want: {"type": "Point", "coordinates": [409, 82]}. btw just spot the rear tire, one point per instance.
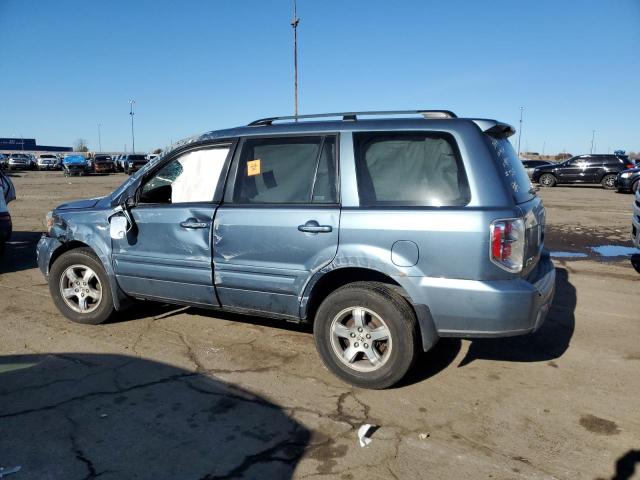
{"type": "Point", "coordinates": [634, 186]}
{"type": "Point", "coordinates": [363, 321]}
{"type": "Point", "coordinates": [547, 180]}
{"type": "Point", "coordinates": [609, 182]}
{"type": "Point", "coordinates": [80, 287]}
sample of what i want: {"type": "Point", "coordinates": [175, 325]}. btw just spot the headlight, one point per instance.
{"type": "Point", "coordinates": [130, 164]}
{"type": "Point", "coordinates": [49, 221]}
{"type": "Point", "coordinates": [625, 174]}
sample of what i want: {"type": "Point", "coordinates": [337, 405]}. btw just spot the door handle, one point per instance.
{"type": "Point", "coordinates": [194, 223]}
{"type": "Point", "coordinates": [313, 227]}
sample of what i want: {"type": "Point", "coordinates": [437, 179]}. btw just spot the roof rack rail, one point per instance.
{"type": "Point", "coordinates": [353, 116]}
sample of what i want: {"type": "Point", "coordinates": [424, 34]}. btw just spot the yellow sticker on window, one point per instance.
{"type": "Point", "coordinates": [253, 167]}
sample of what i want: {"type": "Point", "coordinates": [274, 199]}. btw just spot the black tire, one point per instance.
{"type": "Point", "coordinates": [609, 182]}
{"type": "Point", "coordinates": [635, 185]}
{"type": "Point", "coordinates": [398, 317]}
{"type": "Point", "coordinates": [84, 257]}
{"type": "Point", "coordinates": [547, 180]}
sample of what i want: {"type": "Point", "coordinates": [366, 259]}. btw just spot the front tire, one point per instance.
{"type": "Point", "coordinates": [366, 334]}
{"type": "Point", "coordinates": [80, 287]}
{"type": "Point", "coordinates": [609, 182]}
{"type": "Point", "coordinates": [547, 180]}
{"type": "Point", "coordinates": [634, 186]}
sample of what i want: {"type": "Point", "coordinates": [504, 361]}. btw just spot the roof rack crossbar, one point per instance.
{"type": "Point", "coordinates": [352, 116]}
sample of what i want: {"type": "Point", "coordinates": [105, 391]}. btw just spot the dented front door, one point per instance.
{"type": "Point", "coordinates": [167, 255]}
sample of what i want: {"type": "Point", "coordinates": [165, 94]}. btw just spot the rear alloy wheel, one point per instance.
{"type": "Point", "coordinates": [609, 182]}
{"type": "Point", "coordinates": [366, 334]}
{"type": "Point", "coordinates": [548, 180]}
{"type": "Point", "coordinates": [80, 288]}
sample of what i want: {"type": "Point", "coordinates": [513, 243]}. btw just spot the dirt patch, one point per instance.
{"type": "Point", "coordinates": [599, 425]}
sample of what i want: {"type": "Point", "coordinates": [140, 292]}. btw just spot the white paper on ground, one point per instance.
{"type": "Point", "coordinates": [362, 435]}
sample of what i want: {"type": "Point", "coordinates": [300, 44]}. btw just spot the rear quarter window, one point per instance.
{"type": "Point", "coordinates": [512, 169]}
{"type": "Point", "coordinates": [409, 169]}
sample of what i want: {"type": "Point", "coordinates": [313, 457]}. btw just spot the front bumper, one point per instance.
{"type": "Point", "coordinates": [623, 183]}
{"type": "Point", "coordinates": [500, 308]}
{"type": "Point", "coordinates": [44, 250]}
{"type": "Point", "coordinates": [104, 168]}
{"type": "Point", "coordinates": [635, 221]}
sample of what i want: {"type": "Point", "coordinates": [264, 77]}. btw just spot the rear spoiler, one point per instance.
{"type": "Point", "coordinates": [494, 128]}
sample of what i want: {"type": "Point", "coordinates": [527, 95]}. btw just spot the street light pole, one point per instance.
{"type": "Point", "coordinates": [294, 24]}
{"type": "Point", "coordinates": [520, 130]}
{"type": "Point", "coordinates": [593, 137]}
{"type": "Point", "coordinates": [133, 138]}
{"type": "Point", "coordinates": [99, 138]}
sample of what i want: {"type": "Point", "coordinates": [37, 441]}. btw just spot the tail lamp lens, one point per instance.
{"type": "Point", "coordinates": [508, 244]}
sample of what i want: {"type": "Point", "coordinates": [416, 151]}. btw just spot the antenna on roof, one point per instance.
{"type": "Point", "coordinates": [294, 23]}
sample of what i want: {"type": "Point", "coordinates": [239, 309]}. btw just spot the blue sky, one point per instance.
{"type": "Point", "coordinates": [194, 66]}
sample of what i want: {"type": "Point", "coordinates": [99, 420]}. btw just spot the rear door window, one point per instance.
{"type": "Point", "coordinates": [514, 173]}
{"type": "Point", "coordinates": [287, 170]}
{"type": "Point", "coordinates": [409, 169]}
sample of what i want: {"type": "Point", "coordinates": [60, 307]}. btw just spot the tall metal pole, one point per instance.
{"type": "Point", "coordinates": [520, 130]}
{"type": "Point", "coordinates": [133, 138]}
{"type": "Point", "coordinates": [99, 138]}
{"type": "Point", "coordinates": [593, 136]}
{"type": "Point", "coordinates": [294, 24]}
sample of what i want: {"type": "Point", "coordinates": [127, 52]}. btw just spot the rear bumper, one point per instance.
{"type": "Point", "coordinates": [471, 308]}
{"type": "Point", "coordinates": [5, 228]}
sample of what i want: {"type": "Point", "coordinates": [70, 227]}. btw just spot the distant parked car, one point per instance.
{"type": "Point", "coordinates": [103, 164]}
{"type": "Point", "coordinates": [75, 165]}
{"type": "Point", "coordinates": [531, 165]}
{"type": "Point", "coordinates": [635, 220]}
{"type": "Point", "coordinates": [7, 194]}
{"type": "Point", "coordinates": [152, 156]}
{"type": "Point", "coordinates": [33, 161]}
{"type": "Point", "coordinates": [4, 161]}
{"type": "Point", "coordinates": [18, 161]}
{"type": "Point", "coordinates": [628, 180]}
{"type": "Point", "coordinates": [47, 161]}
{"type": "Point", "coordinates": [134, 162]}
{"type": "Point", "coordinates": [583, 169]}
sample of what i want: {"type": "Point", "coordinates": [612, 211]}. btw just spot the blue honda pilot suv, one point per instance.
{"type": "Point", "coordinates": [385, 233]}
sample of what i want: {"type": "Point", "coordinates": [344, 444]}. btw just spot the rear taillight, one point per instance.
{"type": "Point", "coordinates": [629, 165]}
{"type": "Point", "coordinates": [508, 244]}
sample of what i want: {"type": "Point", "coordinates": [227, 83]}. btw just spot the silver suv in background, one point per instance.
{"type": "Point", "coordinates": [385, 234]}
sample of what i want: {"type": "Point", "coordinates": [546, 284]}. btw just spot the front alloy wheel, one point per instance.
{"type": "Point", "coordinates": [81, 289]}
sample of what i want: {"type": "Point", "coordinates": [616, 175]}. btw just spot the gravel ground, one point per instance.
{"type": "Point", "coordinates": [167, 392]}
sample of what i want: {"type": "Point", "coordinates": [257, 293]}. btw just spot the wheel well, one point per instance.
{"type": "Point", "coordinates": [72, 245]}
{"type": "Point", "coordinates": [340, 277]}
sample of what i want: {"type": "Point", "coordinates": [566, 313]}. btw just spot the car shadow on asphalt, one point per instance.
{"type": "Point", "coordinates": [548, 343]}
{"type": "Point", "coordinates": [20, 252]}
{"type": "Point", "coordinates": [85, 415]}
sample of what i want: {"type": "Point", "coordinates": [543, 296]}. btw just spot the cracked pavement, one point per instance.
{"type": "Point", "coordinates": [170, 392]}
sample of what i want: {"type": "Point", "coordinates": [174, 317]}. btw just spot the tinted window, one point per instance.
{"type": "Point", "coordinates": [191, 177]}
{"type": "Point", "coordinates": [282, 170]}
{"type": "Point", "coordinates": [614, 161]}
{"type": "Point", "coordinates": [515, 174]}
{"type": "Point", "coordinates": [417, 169]}
{"type": "Point", "coordinates": [136, 157]}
